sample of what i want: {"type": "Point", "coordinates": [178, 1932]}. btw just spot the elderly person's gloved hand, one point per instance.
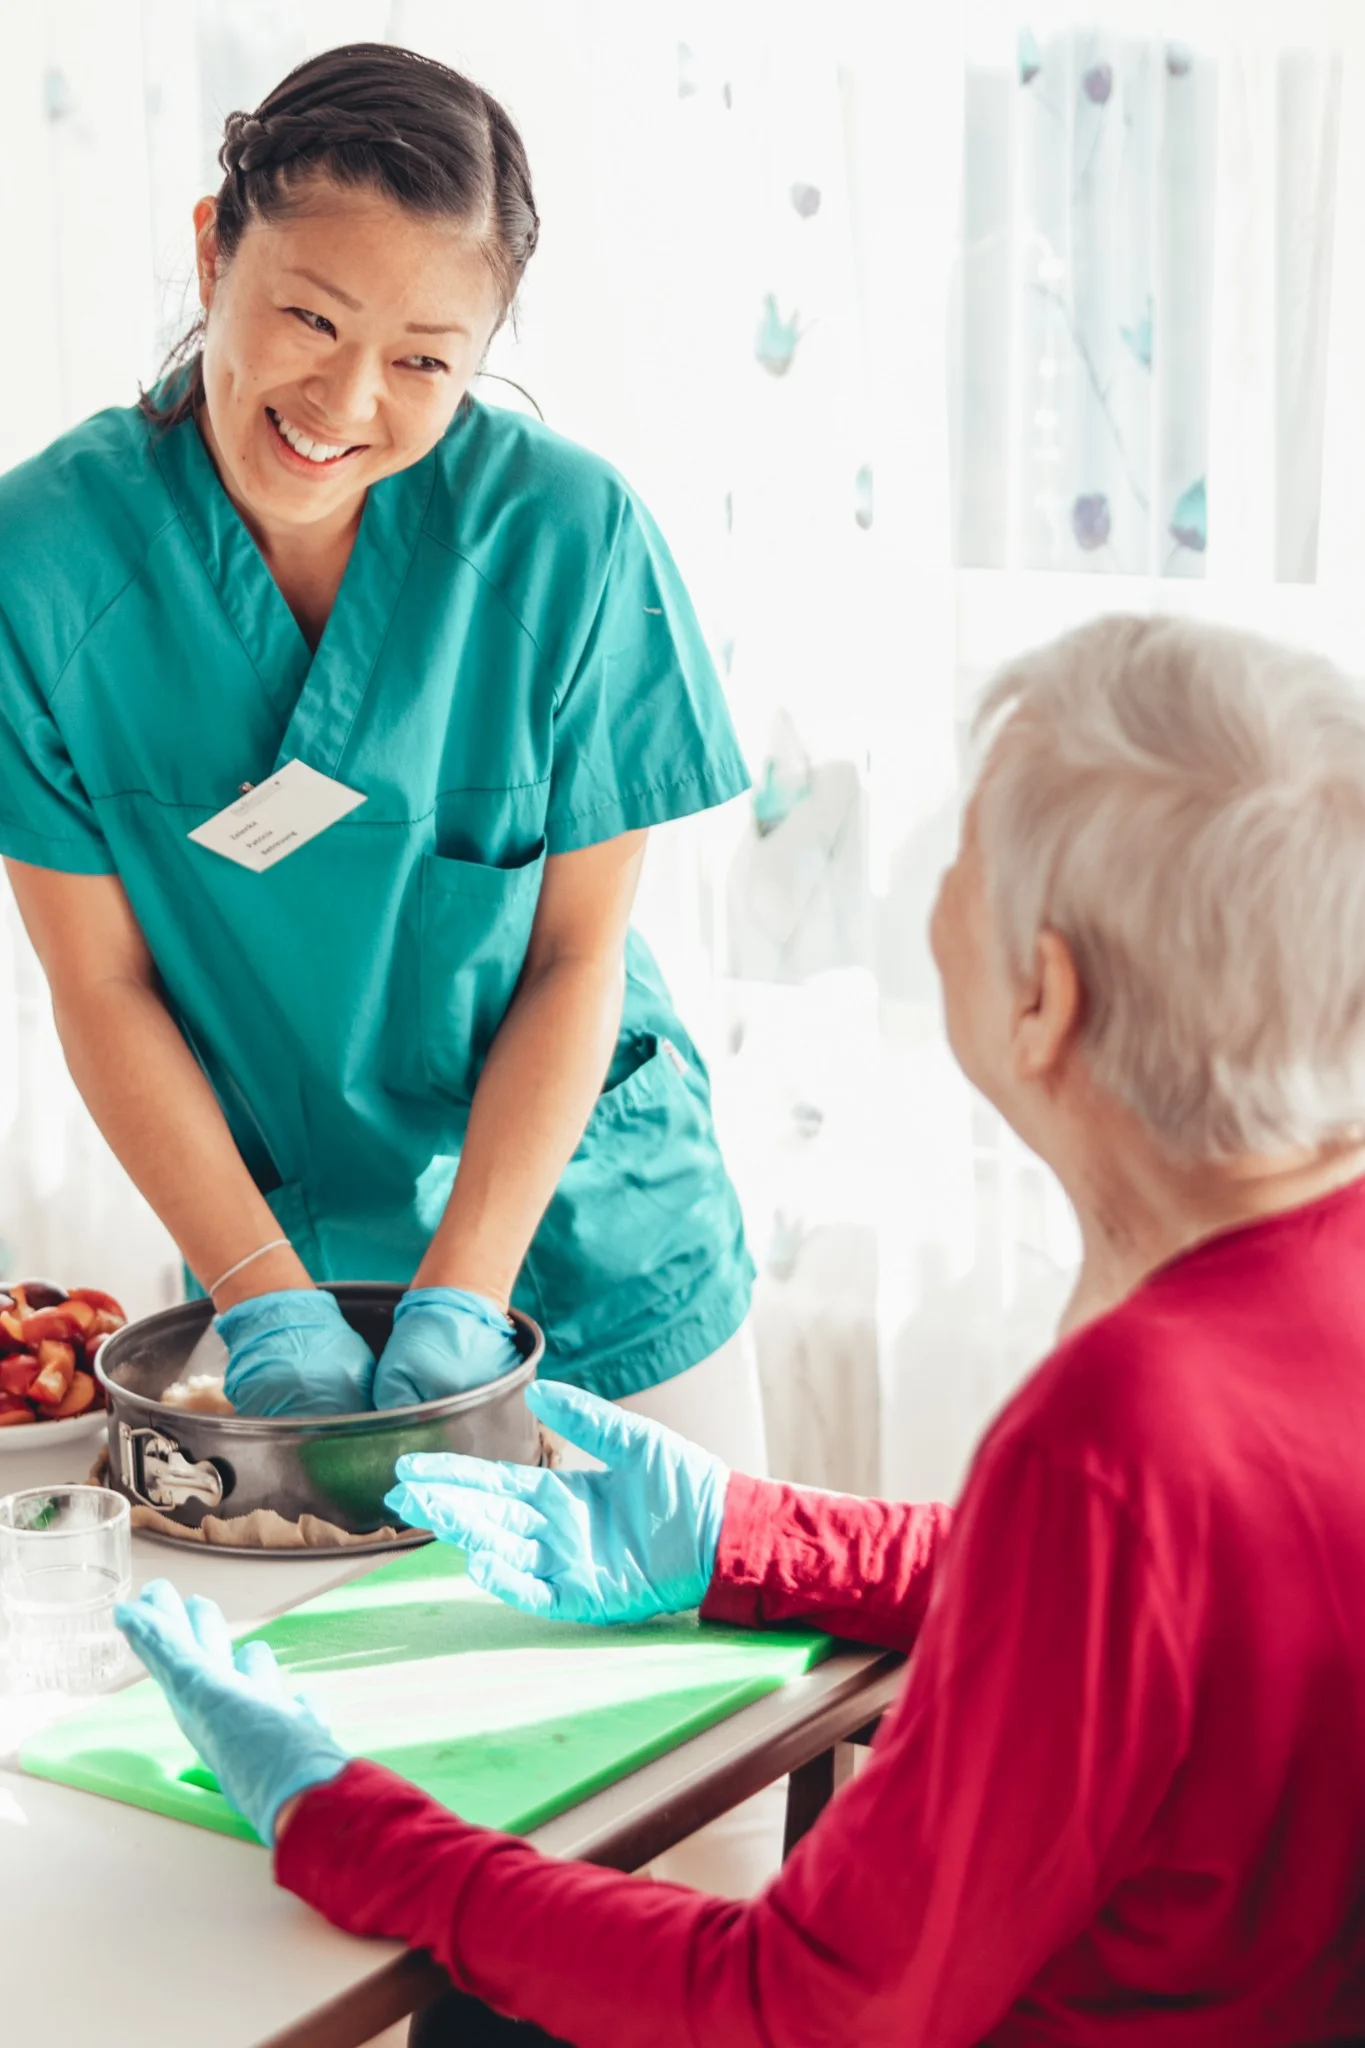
{"type": "Point", "coordinates": [636, 1540]}
{"type": "Point", "coordinates": [294, 1353]}
{"type": "Point", "coordinates": [262, 1743]}
{"type": "Point", "coordinates": [445, 1340]}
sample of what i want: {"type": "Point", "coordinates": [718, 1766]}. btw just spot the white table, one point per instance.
{"type": "Point", "coordinates": [123, 1926]}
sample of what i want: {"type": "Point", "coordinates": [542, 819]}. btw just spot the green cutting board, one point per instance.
{"type": "Point", "coordinates": [503, 1718]}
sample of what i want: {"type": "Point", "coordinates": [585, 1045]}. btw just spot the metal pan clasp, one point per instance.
{"type": "Point", "coordinates": [156, 1471]}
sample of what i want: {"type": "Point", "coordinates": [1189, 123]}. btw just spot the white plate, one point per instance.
{"type": "Point", "coordinates": [47, 1436]}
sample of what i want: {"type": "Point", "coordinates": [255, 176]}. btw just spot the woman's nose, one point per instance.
{"type": "Point", "coordinates": [347, 393]}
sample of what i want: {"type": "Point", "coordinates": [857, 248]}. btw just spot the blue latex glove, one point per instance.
{"type": "Point", "coordinates": [636, 1540]}
{"type": "Point", "coordinates": [294, 1353]}
{"type": "Point", "coordinates": [445, 1341]}
{"type": "Point", "coordinates": [262, 1743]}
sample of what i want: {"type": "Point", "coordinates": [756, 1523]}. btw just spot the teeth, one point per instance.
{"type": "Point", "coordinates": [314, 451]}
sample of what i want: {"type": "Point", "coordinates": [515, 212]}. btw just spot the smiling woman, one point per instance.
{"type": "Point", "coordinates": [371, 121]}
{"type": "Point", "coordinates": [408, 1036]}
{"type": "Point", "coordinates": [421, 1045]}
{"type": "Point", "coordinates": [307, 408]}
{"type": "Point", "coordinates": [316, 270]}
{"type": "Point", "coordinates": [358, 357]}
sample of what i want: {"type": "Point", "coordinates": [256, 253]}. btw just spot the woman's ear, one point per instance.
{"type": "Point", "coordinates": [1048, 1014]}
{"type": "Point", "coordinates": [206, 249]}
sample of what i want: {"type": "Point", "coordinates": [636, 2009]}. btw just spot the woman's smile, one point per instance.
{"type": "Point", "coordinates": [300, 452]}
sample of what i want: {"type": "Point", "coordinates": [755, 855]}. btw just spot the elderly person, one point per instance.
{"type": "Point", "coordinates": [1122, 1798]}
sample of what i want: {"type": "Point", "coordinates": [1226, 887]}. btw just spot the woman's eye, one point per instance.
{"type": "Point", "coordinates": [318, 323]}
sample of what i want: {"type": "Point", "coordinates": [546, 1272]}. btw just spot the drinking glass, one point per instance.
{"type": "Point", "coordinates": [65, 1559]}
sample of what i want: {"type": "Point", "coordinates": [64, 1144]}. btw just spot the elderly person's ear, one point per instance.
{"type": "Point", "coordinates": [1049, 1009]}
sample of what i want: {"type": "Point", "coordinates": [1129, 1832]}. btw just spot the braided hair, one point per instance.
{"type": "Point", "coordinates": [387, 120]}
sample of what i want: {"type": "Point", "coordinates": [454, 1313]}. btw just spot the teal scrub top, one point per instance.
{"type": "Point", "coordinates": [512, 669]}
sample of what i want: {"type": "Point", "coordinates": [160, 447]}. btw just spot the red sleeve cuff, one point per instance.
{"type": "Point", "coordinates": [736, 1586]}
{"type": "Point", "coordinates": [861, 1569]}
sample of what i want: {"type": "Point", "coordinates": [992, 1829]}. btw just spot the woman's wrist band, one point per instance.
{"type": "Point", "coordinates": [275, 1244]}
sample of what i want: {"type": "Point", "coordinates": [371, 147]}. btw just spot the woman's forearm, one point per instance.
{"type": "Point", "coordinates": [860, 1569]}
{"type": "Point", "coordinates": [154, 1105]}
{"type": "Point", "coordinates": [531, 1105]}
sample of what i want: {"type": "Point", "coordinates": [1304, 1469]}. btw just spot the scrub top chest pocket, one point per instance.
{"type": "Point", "coordinates": [476, 926]}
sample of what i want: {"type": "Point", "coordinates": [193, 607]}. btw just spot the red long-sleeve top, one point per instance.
{"type": "Point", "coordinates": [1122, 1796]}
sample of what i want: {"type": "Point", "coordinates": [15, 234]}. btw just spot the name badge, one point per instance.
{"type": "Point", "coordinates": [277, 817]}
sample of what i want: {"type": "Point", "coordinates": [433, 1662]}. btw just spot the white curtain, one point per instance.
{"type": "Point", "coordinates": [863, 301]}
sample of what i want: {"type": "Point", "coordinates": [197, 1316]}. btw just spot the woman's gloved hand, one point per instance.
{"type": "Point", "coordinates": [294, 1353]}
{"type": "Point", "coordinates": [636, 1540]}
{"type": "Point", "coordinates": [262, 1743]}
{"type": "Point", "coordinates": [444, 1341]}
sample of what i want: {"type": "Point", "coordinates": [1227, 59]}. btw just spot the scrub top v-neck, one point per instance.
{"type": "Point", "coordinates": [318, 691]}
{"type": "Point", "coordinates": [511, 669]}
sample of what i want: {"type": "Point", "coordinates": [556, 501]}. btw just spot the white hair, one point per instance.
{"type": "Point", "coordinates": [1185, 806]}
